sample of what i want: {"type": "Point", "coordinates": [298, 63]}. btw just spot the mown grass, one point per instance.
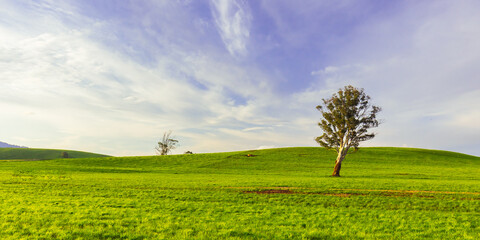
{"type": "Point", "coordinates": [42, 154]}
{"type": "Point", "coordinates": [384, 193]}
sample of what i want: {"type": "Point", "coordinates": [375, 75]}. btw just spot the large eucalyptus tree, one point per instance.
{"type": "Point", "coordinates": [347, 116]}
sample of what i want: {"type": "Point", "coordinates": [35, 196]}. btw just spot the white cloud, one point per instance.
{"type": "Point", "coordinates": [463, 112]}
{"type": "Point", "coordinates": [326, 70]}
{"type": "Point", "coordinates": [233, 21]}
{"type": "Point", "coordinates": [266, 147]}
{"type": "Point", "coordinates": [256, 129]}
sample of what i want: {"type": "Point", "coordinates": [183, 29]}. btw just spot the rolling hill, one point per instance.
{"type": "Point", "coordinates": [42, 154]}
{"type": "Point", "coordinates": [367, 162]}
{"type": "Point", "coordinates": [285, 193]}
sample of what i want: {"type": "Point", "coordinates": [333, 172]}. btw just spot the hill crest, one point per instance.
{"type": "Point", "coordinates": [43, 154]}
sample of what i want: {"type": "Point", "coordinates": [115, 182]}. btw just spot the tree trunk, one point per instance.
{"type": "Point", "coordinates": [336, 169]}
{"type": "Point", "coordinates": [338, 163]}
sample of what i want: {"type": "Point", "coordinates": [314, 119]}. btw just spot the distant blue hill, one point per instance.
{"type": "Point", "coordinates": [6, 145]}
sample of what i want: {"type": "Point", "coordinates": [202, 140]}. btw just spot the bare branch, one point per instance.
{"type": "Point", "coordinates": [167, 144]}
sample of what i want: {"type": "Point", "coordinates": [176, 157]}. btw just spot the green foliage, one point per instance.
{"type": "Point", "coordinates": [42, 154]}
{"type": "Point", "coordinates": [285, 193]}
{"type": "Point", "coordinates": [347, 116]}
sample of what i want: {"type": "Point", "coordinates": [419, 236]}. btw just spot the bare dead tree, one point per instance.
{"type": "Point", "coordinates": [167, 144]}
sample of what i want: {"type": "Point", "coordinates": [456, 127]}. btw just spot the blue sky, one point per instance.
{"type": "Point", "coordinates": [112, 76]}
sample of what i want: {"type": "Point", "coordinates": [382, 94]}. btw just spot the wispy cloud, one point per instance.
{"type": "Point", "coordinates": [233, 20]}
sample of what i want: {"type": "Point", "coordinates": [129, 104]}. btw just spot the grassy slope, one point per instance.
{"type": "Point", "coordinates": [42, 154]}
{"type": "Point", "coordinates": [384, 193]}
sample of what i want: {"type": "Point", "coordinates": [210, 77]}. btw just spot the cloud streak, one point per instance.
{"type": "Point", "coordinates": [233, 21]}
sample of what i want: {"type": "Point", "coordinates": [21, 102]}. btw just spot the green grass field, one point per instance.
{"type": "Point", "coordinates": [384, 193]}
{"type": "Point", "coordinates": [42, 154]}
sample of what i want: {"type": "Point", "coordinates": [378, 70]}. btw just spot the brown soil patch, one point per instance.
{"type": "Point", "coordinates": [403, 194]}
{"type": "Point", "coordinates": [272, 191]}
{"type": "Point", "coordinates": [351, 192]}
{"type": "Point", "coordinates": [337, 194]}
{"type": "Point", "coordinates": [288, 191]}
{"type": "Point", "coordinates": [407, 191]}
{"type": "Point", "coordinates": [267, 188]}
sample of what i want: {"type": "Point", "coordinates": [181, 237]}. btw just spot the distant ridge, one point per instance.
{"type": "Point", "coordinates": [6, 145]}
{"type": "Point", "coordinates": [29, 154]}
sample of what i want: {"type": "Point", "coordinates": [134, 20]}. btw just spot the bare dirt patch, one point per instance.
{"type": "Point", "coordinates": [338, 194]}
{"type": "Point", "coordinates": [272, 191]}
{"type": "Point", "coordinates": [288, 190]}
{"type": "Point", "coordinates": [404, 194]}
{"type": "Point", "coordinates": [352, 192]}
{"type": "Point", "coordinates": [408, 191]}
{"type": "Point", "coordinates": [267, 188]}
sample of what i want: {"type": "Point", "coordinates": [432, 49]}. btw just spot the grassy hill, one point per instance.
{"type": "Point", "coordinates": [42, 154]}
{"type": "Point", "coordinates": [287, 193]}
